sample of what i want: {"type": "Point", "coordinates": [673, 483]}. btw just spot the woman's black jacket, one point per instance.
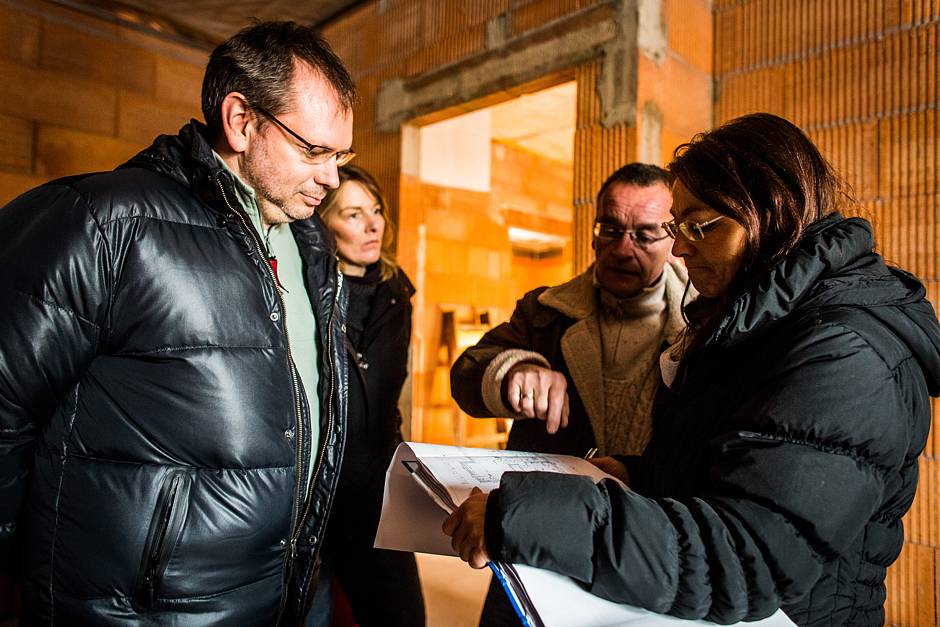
{"type": "Point", "coordinates": [780, 469]}
{"type": "Point", "coordinates": [153, 438]}
{"type": "Point", "coordinates": [378, 364]}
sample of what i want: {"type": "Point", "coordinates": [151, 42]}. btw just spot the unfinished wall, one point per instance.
{"type": "Point", "coordinates": [83, 94]}
{"type": "Point", "coordinates": [673, 101]}
{"type": "Point", "coordinates": [467, 266]}
{"type": "Point", "coordinates": [534, 193]}
{"type": "Point", "coordinates": [421, 61]}
{"type": "Point", "coordinates": [861, 78]}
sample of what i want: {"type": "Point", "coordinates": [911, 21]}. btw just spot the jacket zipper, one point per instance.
{"type": "Point", "coordinates": [162, 538]}
{"type": "Point", "coordinates": [329, 405]}
{"type": "Point", "coordinates": [297, 520]}
{"type": "Point", "coordinates": [290, 362]}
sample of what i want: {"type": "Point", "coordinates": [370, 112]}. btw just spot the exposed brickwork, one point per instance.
{"type": "Point", "coordinates": [84, 94]}
{"type": "Point", "coordinates": [455, 244]}
{"type": "Point", "coordinates": [862, 78]}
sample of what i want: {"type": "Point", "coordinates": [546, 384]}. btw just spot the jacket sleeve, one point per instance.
{"type": "Point", "coordinates": [792, 487]}
{"type": "Point", "coordinates": [53, 296]}
{"type": "Point", "coordinates": [502, 346]}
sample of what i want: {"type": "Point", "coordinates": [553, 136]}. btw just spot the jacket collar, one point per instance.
{"type": "Point", "coordinates": [188, 158]}
{"type": "Point", "coordinates": [578, 298]}
{"type": "Point", "coordinates": [581, 342]}
{"type": "Point", "coordinates": [833, 264]}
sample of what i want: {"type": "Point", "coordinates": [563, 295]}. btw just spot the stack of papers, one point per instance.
{"type": "Point", "coordinates": [426, 482]}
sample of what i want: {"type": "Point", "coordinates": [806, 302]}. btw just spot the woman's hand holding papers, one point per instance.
{"type": "Point", "coordinates": [465, 527]}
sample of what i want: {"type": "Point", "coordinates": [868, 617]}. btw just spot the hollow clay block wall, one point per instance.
{"type": "Point", "coordinates": [82, 94]}
{"type": "Point", "coordinates": [861, 78]}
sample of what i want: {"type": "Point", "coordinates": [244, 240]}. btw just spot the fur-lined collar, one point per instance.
{"type": "Point", "coordinates": [577, 298]}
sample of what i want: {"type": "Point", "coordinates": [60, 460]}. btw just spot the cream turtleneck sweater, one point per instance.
{"type": "Point", "coordinates": [632, 334]}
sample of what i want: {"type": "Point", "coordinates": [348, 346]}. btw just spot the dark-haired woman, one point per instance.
{"type": "Point", "coordinates": [784, 459]}
{"type": "Point", "coordinates": [382, 586]}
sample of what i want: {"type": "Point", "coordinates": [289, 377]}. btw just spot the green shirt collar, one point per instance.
{"type": "Point", "coordinates": [245, 195]}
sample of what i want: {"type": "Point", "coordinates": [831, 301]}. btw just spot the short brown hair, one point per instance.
{"type": "Point", "coordinates": [259, 62]}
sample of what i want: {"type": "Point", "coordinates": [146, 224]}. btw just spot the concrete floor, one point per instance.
{"type": "Point", "coordinates": [453, 592]}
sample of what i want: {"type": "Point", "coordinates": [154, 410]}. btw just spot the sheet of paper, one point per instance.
{"type": "Point", "coordinates": [461, 469]}
{"type": "Point", "coordinates": [553, 594]}
{"type": "Point", "coordinates": [411, 521]}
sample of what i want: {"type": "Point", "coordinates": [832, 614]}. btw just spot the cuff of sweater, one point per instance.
{"type": "Point", "coordinates": [492, 387]}
{"type": "Point", "coordinates": [492, 527]}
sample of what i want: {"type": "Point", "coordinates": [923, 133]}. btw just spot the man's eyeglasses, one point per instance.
{"type": "Point", "coordinates": [312, 152]}
{"type": "Point", "coordinates": [640, 237]}
{"type": "Point", "coordinates": [692, 231]}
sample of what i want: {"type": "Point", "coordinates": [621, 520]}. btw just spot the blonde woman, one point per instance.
{"type": "Point", "coordinates": [382, 586]}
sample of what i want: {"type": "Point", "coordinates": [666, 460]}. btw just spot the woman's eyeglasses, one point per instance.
{"type": "Point", "coordinates": [692, 231]}
{"type": "Point", "coordinates": [313, 153]}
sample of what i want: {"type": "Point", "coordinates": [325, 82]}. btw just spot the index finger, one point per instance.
{"type": "Point", "coordinates": [556, 405]}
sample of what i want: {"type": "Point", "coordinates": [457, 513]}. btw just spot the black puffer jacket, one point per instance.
{"type": "Point", "coordinates": [778, 473]}
{"type": "Point", "coordinates": [151, 430]}
{"type": "Point", "coordinates": [378, 369]}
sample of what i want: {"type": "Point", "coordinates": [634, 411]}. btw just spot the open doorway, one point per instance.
{"type": "Point", "coordinates": [485, 216]}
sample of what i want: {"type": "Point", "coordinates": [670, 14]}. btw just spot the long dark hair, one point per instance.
{"type": "Point", "coordinates": [763, 172]}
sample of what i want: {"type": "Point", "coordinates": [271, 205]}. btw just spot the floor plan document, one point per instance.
{"type": "Point", "coordinates": [425, 482]}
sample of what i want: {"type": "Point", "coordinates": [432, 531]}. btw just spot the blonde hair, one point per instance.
{"type": "Point", "coordinates": [388, 267]}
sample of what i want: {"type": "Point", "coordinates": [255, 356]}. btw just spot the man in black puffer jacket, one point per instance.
{"type": "Point", "coordinates": [172, 367]}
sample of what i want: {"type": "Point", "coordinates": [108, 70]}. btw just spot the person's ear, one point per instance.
{"type": "Point", "coordinates": [237, 121]}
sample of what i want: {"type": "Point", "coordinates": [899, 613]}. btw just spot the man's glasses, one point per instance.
{"type": "Point", "coordinates": [312, 152]}
{"type": "Point", "coordinates": [692, 231]}
{"type": "Point", "coordinates": [641, 237]}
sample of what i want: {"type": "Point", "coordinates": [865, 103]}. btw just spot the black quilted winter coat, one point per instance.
{"type": "Point", "coordinates": [152, 425]}
{"type": "Point", "coordinates": [779, 470]}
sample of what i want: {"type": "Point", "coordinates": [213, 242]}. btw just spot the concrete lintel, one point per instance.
{"type": "Point", "coordinates": [564, 45]}
{"type": "Point", "coordinates": [651, 34]}
{"type": "Point", "coordinates": [617, 82]}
